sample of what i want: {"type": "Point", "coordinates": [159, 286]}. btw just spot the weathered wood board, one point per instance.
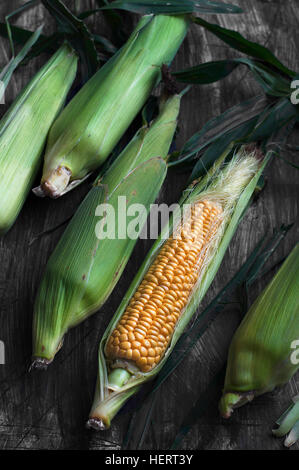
{"type": "Point", "coordinates": [49, 410]}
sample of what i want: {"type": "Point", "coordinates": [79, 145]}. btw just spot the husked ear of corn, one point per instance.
{"type": "Point", "coordinates": [83, 268]}
{"type": "Point", "coordinates": [260, 355]}
{"type": "Point", "coordinates": [24, 128]}
{"type": "Point", "coordinates": [171, 283]}
{"type": "Point", "coordinates": [94, 121]}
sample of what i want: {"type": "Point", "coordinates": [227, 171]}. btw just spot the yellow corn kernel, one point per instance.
{"type": "Point", "coordinates": [165, 290]}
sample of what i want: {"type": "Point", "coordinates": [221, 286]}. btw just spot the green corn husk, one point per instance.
{"type": "Point", "coordinates": [260, 353]}
{"type": "Point", "coordinates": [288, 424]}
{"type": "Point", "coordinates": [116, 385]}
{"type": "Point", "coordinates": [83, 270]}
{"type": "Point", "coordinates": [94, 121]}
{"type": "Point", "coordinates": [24, 129]}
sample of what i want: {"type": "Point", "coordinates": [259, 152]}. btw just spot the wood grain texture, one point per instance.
{"type": "Point", "coordinates": [49, 410]}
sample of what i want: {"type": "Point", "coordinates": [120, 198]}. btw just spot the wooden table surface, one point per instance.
{"type": "Point", "coordinates": [48, 410]}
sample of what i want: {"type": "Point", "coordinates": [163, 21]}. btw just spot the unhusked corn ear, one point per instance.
{"type": "Point", "coordinates": [145, 330]}
{"type": "Point", "coordinates": [24, 129]}
{"type": "Point", "coordinates": [94, 121]}
{"type": "Point", "coordinates": [261, 352]}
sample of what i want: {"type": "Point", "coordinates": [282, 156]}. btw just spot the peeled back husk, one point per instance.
{"type": "Point", "coordinates": [84, 269]}
{"type": "Point", "coordinates": [94, 121]}
{"type": "Point", "coordinates": [288, 423]}
{"type": "Point", "coordinates": [261, 353]}
{"type": "Point", "coordinates": [24, 129]}
{"type": "Point", "coordinates": [230, 184]}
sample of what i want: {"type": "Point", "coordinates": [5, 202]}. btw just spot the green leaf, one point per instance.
{"type": "Point", "coordinates": [219, 146]}
{"type": "Point", "coordinates": [216, 127]}
{"type": "Point", "coordinates": [77, 33]}
{"type": "Point", "coordinates": [209, 72]}
{"type": "Point", "coordinates": [272, 83]}
{"type": "Point", "coordinates": [238, 42]}
{"type": "Point", "coordinates": [107, 45]}
{"type": "Point", "coordinates": [44, 43]}
{"type": "Point", "coordinates": [278, 236]}
{"type": "Point", "coordinates": [49, 44]}
{"type": "Point", "coordinates": [173, 7]}
{"type": "Point", "coordinates": [24, 7]}
{"type": "Point", "coordinates": [274, 119]}
{"type": "Point", "coordinates": [7, 72]}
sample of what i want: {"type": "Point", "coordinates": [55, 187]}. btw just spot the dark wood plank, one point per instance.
{"type": "Point", "coordinates": [48, 411]}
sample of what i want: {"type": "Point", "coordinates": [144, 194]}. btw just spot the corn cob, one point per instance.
{"type": "Point", "coordinates": [97, 117]}
{"type": "Point", "coordinates": [144, 332]}
{"type": "Point", "coordinates": [24, 128]}
{"type": "Point", "coordinates": [83, 269]}
{"type": "Point", "coordinates": [260, 353]}
{"type": "Point", "coordinates": [171, 283]}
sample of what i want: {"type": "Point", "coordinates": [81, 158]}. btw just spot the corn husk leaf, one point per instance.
{"type": "Point", "coordinates": [8, 27]}
{"type": "Point", "coordinates": [49, 44]}
{"type": "Point", "coordinates": [173, 7]}
{"type": "Point", "coordinates": [113, 18]}
{"type": "Point", "coordinates": [271, 74]}
{"type": "Point", "coordinates": [272, 83]}
{"type": "Point", "coordinates": [245, 113]}
{"type": "Point", "coordinates": [241, 44]}
{"type": "Point", "coordinates": [251, 121]}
